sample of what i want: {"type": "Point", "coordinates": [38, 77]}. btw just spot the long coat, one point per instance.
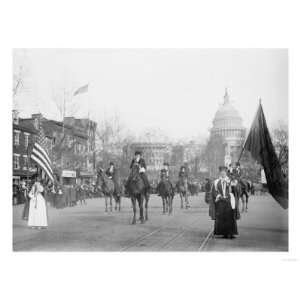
{"type": "Point", "coordinates": [141, 163]}
{"type": "Point", "coordinates": [217, 190]}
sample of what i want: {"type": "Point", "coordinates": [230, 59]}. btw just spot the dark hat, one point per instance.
{"type": "Point", "coordinates": [138, 152]}
{"type": "Point", "coordinates": [238, 164]}
{"type": "Point", "coordinates": [166, 164]}
{"type": "Point", "coordinates": [111, 163]}
{"type": "Point", "coordinates": [222, 168]}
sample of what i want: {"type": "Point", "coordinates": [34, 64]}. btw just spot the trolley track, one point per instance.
{"type": "Point", "coordinates": [160, 229]}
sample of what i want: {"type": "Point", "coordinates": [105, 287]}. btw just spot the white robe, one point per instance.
{"type": "Point", "coordinates": [37, 216]}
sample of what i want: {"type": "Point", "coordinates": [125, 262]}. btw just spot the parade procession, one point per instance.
{"type": "Point", "coordinates": [146, 176]}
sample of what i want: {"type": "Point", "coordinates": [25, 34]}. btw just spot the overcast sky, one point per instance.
{"type": "Point", "coordinates": [175, 90]}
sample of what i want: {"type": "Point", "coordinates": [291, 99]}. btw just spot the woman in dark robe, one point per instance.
{"type": "Point", "coordinates": [225, 206]}
{"type": "Point", "coordinates": [207, 188]}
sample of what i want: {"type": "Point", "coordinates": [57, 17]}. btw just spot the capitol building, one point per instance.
{"type": "Point", "coordinates": [228, 124]}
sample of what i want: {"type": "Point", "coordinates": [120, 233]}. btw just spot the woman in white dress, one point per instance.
{"type": "Point", "coordinates": [37, 217]}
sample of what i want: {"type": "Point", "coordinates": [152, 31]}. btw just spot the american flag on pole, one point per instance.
{"type": "Point", "coordinates": [40, 156]}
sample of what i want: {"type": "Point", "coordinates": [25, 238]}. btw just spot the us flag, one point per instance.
{"type": "Point", "coordinates": [40, 156]}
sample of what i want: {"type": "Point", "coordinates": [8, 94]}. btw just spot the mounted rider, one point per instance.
{"type": "Point", "coordinates": [230, 170]}
{"type": "Point", "coordinates": [183, 173]}
{"type": "Point", "coordinates": [164, 173]}
{"type": "Point", "coordinates": [110, 171]}
{"type": "Point", "coordinates": [139, 160]}
{"type": "Point", "coordinates": [113, 174]}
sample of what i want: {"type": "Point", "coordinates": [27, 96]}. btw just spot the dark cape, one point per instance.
{"type": "Point", "coordinates": [222, 212]}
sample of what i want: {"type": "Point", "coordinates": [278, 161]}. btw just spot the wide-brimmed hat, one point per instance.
{"type": "Point", "coordinates": [138, 152]}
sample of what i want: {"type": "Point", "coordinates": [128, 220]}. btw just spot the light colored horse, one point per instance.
{"type": "Point", "coordinates": [182, 188]}
{"type": "Point", "coordinates": [107, 187]}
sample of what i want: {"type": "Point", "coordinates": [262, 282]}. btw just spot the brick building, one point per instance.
{"type": "Point", "coordinates": [23, 139]}
{"type": "Point", "coordinates": [70, 144]}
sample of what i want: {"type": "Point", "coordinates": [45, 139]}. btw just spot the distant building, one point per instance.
{"type": "Point", "coordinates": [71, 145]}
{"type": "Point", "coordinates": [228, 124]}
{"type": "Point", "coordinates": [191, 151]}
{"type": "Point", "coordinates": [23, 139]}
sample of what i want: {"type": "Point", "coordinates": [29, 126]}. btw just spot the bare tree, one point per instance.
{"type": "Point", "coordinates": [20, 72]}
{"type": "Point", "coordinates": [154, 135]}
{"type": "Point", "coordinates": [280, 136]}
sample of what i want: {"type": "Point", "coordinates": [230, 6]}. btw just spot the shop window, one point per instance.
{"type": "Point", "coordinates": [26, 141]}
{"type": "Point", "coordinates": [16, 161]}
{"type": "Point", "coordinates": [16, 138]}
{"type": "Point", "coordinates": [25, 162]}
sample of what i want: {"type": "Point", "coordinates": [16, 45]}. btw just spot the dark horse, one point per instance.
{"type": "Point", "coordinates": [240, 189]}
{"type": "Point", "coordinates": [107, 187]}
{"type": "Point", "coordinates": [137, 192]}
{"type": "Point", "coordinates": [166, 192]}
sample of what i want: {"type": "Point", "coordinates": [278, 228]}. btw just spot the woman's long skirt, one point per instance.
{"type": "Point", "coordinates": [37, 212]}
{"type": "Point", "coordinates": [225, 223]}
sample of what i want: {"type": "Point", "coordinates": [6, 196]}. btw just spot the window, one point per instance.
{"type": "Point", "coordinates": [16, 137]}
{"type": "Point", "coordinates": [25, 162]}
{"type": "Point", "coordinates": [26, 135]}
{"type": "Point", "coordinates": [16, 161]}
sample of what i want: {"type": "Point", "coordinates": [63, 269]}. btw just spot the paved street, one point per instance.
{"type": "Point", "coordinates": [89, 228]}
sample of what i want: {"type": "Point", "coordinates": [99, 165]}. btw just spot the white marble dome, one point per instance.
{"type": "Point", "coordinates": [227, 117]}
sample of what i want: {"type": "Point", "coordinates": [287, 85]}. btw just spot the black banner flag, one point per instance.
{"type": "Point", "coordinates": [260, 145]}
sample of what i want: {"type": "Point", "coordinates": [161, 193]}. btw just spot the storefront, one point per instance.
{"type": "Point", "coordinates": [68, 177]}
{"type": "Point", "coordinates": [85, 177]}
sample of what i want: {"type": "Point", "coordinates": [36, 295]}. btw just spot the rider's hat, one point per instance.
{"type": "Point", "coordinates": [222, 168]}
{"type": "Point", "coordinates": [166, 164]}
{"type": "Point", "coordinates": [138, 152]}
{"type": "Point", "coordinates": [237, 164]}
{"type": "Point", "coordinates": [111, 163]}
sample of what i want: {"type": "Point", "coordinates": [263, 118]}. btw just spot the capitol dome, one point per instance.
{"type": "Point", "coordinates": [228, 124]}
{"type": "Point", "coordinates": [227, 116]}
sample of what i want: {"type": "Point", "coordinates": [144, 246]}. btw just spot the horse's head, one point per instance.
{"type": "Point", "coordinates": [163, 175]}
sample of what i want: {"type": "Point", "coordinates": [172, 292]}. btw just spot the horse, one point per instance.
{"type": "Point", "coordinates": [137, 191]}
{"type": "Point", "coordinates": [182, 188]}
{"type": "Point", "coordinates": [117, 190]}
{"type": "Point", "coordinates": [107, 187]}
{"type": "Point", "coordinates": [240, 189]}
{"type": "Point", "coordinates": [166, 192]}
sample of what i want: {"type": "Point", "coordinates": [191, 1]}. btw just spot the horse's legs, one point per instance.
{"type": "Point", "coordinates": [146, 207]}
{"type": "Point", "coordinates": [116, 201]}
{"type": "Point", "coordinates": [110, 202]}
{"type": "Point", "coordinates": [141, 205]}
{"type": "Point", "coordinates": [133, 201]}
{"type": "Point", "coordinates": [105, 197]}
{"type": "Point", "coordinates": [187, 205]}
{"type": "Point", "coordinates": [170, 204]}
{"type": "Point", "coordinates": [164, 204]}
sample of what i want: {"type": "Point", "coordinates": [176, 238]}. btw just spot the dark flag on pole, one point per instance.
{"type": "Point", "coordinates": [259, 144]}
{"type": "Point", "coordinates": [81, 90]}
